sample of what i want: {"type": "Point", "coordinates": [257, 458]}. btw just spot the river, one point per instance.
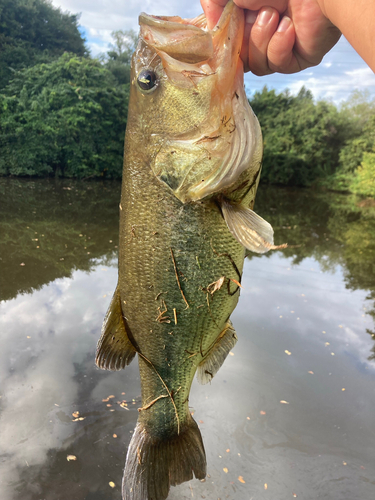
{"type": "Point", "coordinates": [291, 414]}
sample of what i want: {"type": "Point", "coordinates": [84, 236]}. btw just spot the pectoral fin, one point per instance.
{"type": "Point", "coordinates": [249, 229]}
{"type": "Point", "coordinates": [217, 354]}
{"type": "Point", "coordinates": [114, 350]}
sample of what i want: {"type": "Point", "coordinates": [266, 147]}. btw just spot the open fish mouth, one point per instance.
{"type": "Point", "coordinates": [206, 148]}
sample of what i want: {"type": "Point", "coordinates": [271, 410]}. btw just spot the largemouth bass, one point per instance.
{"type": "Point", "coordinates": [193, 151]}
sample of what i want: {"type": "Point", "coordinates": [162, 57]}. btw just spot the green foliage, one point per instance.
{"type": "Point", "coordinates": [118, 59]}
{"type": "Point", "coordinates": [359, 112]}
{"type": "Point", "coordinates": [301, 139]}
{"type": "Point", "coordinates": [67, 117]}
{"type": "Point", "coordinates": [64, 114]}
{"type": "Point", "coordinates": [33, 31]}
{"type": "Point", "coordinates": [363, 182]}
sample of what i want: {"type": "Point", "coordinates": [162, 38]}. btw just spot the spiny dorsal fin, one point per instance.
{"type": "Point", "coordinates": [114, 350]}
{"type": "Point", "coordinates": [217, 354]}
{"type": "Point", "coordinates": [249, 229]}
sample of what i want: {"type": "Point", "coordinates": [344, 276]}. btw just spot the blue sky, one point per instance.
{"type": "Point", "coordinates": [341, 71]}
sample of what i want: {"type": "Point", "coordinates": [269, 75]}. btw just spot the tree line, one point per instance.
{"type": "Point", "coordinates": [63, 113]}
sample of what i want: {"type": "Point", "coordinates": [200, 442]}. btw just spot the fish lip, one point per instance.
{"type": "Point", "coordinates": [189, 40]}
{"type": "Point", "coordinates": [176, 37]}
{"type": "Point", "coordinates": [175, 22]}
{"type": "Point", "coordinates": [169, 23]}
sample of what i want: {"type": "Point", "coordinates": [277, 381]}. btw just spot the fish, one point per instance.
{"type": "Point", "coordinates": [192, 162]}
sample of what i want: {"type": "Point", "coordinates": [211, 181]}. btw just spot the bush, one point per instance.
{"type": "Point", "coordinates": [364, 179]}
{"type": "Point", "coordinates": [301, 139]}
{"type": "Point", "coordinates": [65, 118]}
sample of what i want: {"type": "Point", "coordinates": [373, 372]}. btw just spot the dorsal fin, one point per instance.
{"type": "Point", "coordinates": [114, 350]}
{"type": "Point", "coordinates": [249, 229]}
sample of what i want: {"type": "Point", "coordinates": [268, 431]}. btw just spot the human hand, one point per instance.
{"type": "Point", "coordinates": [284, 36]}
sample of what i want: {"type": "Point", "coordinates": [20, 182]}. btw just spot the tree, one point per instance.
{"type": "Point", "coordinates": [64, 118]}
{"type": "Point", "coordinates": [302, 139]}
{"type": "Point", "coordinates": [359, 112]}
{"type": "Point", "coordinates": [33, 31]}
{"type": "Point", "coordinates": [118, 58]}
{"type": "Point", "coordinates": [363, 181]}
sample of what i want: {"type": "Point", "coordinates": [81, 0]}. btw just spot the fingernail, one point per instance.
{"type": "Point", "coordinates": [264, 17]}
{"type": "Point", "coordinates": [251, 16]}
{"type": "Point", "coordinates": [284, 24]}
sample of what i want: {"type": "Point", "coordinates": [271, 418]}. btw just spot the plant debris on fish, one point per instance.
{"type": "Point", "coordinates": [193, 151]}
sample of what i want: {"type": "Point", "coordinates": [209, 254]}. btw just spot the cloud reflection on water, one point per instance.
{"type": "Point", "coordinates": [319, 284]}
{"type": "Point", "coordinates": [63, 320]}
{"type": "Point", "coordinates": [46, 335]}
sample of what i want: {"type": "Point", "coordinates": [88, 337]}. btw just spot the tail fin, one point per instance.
{"type": "Point", "coordinates": [154, 464]}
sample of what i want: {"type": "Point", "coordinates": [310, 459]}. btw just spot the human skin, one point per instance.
{"type": "Point", "coordinates": [287, 36]}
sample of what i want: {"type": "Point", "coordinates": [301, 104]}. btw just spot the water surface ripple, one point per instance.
{"type": "Point", "coordinates": [290, 414]}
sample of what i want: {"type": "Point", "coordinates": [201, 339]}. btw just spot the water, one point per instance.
{"type": "Point", "coordinates": [290, 414]}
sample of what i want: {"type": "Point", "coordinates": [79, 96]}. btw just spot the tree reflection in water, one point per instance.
{"type": "Point", "coordinates": [65, 233]}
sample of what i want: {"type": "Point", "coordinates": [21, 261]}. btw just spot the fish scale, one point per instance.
{"type": "Point", "coordinates": [192, 160]}
{"type": "Point", "coordinates": [146, 270]}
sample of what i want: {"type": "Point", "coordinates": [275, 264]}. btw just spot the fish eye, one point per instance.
{"type": "Point", "coordinates": [147, 79]}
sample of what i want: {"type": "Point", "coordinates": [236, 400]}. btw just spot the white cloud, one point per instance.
{"type": "Point", "coordinates": [337, 87]}
{"type": "Point", "coordinates": [120, 14]}
{"type": "Point", "coordinates": [52, 333]}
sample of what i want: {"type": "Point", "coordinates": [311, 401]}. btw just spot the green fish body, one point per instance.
{"type": "Point", "coordinates": [185, 220]}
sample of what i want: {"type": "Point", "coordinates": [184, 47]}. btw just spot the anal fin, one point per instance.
{"type": "Point", "coordinates": [114, 350]}
{"type": "Point", "coordinates": [249, 229]}
{"type": "Point", "coordinates": [217, 354]}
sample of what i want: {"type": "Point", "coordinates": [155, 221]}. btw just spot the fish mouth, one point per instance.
{"type": "Point", "coordinates": [182, 39]}
{"type": "Point", "coordinates": [209, 157]}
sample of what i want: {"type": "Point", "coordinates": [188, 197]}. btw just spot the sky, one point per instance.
{"type": "Point", "coordinates": [341, 71]}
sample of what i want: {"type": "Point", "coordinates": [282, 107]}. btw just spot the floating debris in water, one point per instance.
{"type": "Point", "coordinates": [71, 457]}
{"type": "Point", "coordinates": [107, 399]}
